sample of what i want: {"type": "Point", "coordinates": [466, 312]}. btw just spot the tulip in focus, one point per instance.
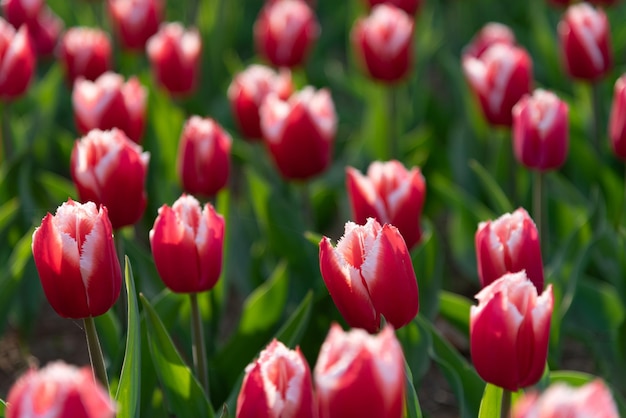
{"type": "Point", "coordinates": [540, 131]}
{"type": "Point", "coordinates": [248, 90]}
{"type": "Point", "coordinates": [617, 121]}
{"type": "Point", "coordinates": [277, 385]}
{"type": "Point", "coordinates": [360, 375]}
{"type": "Point", "coordinates": [299, 132]}
{"type": "Point", "coordinates": [509, 331]}
{"type": "Point", "coordinates": [135, 21]}
{"type": "Point", "coordinates": [75, 256]}
{"type": "Point", "coordinates": [85, 52]}
{"type": "Point", "coordinates": [490, 34]}
{"type": "Point", "coordinates": [391, 194]}
{"type": "Point", "coordinates": [174, 54]}
{"type": "Point", "coordinates": [46, 31]}
{"type": "Point", "coordinates": [20, 12]}
{"type": "Point", "coordinates": [368, 274]}
{"type": "Point", "coordinates": [410, 7]}
{"type": "Point", "coordinates": [284, 32]}
{"type": "Point", "coordinates": [187, 244]}
{"type": "Point", "coordinates": [110, 169]}
{"type": "Point", "coordinates": [17, 60]}
{"type": "Point", "coordinates": [384, 42]}
{"type": "Point", "coordinates": [59, 391]}
{"type": "Point", "coordinates": [203, 156]}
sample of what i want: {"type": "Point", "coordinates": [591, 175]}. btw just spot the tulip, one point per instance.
{"type": "Point", "coordinates": [617, 121]}
{"type": "Point", "coordinates": [17, 60]}
{"type": "Point", "coordinates": [284, 32]}
{"type": "Point", "coordinates": [409, 6]}
{"type": "Point", "coordinates": [59, 391]}
{"type": "Point", "coordinates": [248, 90]}
{"type": "Point", "coordinates": [391, 194]}
{"type": "Point", "coordinates": [85, 52]}
{"type": "Point", "coordinates": [46, 31]}
{"type": "Point", "coordinates": [110, 169]}
{"type": "Point", "coordinates": [490, 34]}
{"type": "Point", "coordinates": [368, 274]}
{"type": "Point", "coordinates": [509, 331]}
{"type": "Point", "coordinates": [174, 54]}
{"type": "Point", "coordinates": [20, 12]}
{"type": "Point", "coordinates": [299, 131]}
{"type": "Point", "coordinates": [384, 43]}
{"type": "Point", "coordinates": [593, 399]}
{"type": "Point", "coordinates": [585, 42]}
{"type": "Point", "coordinates": [508, 245]}
{"type": "Point", "coordinates": [360, 375]}
{"type": "Point", "coordinates": [75, 256]}
{"type": "Point", "coordinates": [187, 244]}
{"type": "Point", "coordinates": [277, 385]}
{"type": "Point", "coordinates": [203, 156]}
{"type": "Point", "coordinates": [540, 131]}
{"type": "Point", "coordinates": [135, 21]}
{"type": "Point", "coordinates": [108, 103]}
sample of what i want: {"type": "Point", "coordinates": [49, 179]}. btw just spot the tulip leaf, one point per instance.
{"type": "Point", "coordinates": [491, 402]}
{"type": "Point", "coordinates": [571, 377]}
{"type": "Point", "coordinates": [427, 259]}
{"type": "Point", "coordinates": [412, 403]}
{"type": "Point", "coordinates": [292, 330]}
{"type": "Point", "coordinates": [494, 192]}
{"type": "Point", "coordinates": [183, 393]}
{"type": "Point", "coordinates": [456, 310]}
{"type": "Point", "coordinates": [7, 212]}
{"type": "Point", "coordinates": [129, 387]}
{"type": "Point", "coordinates": [3, 407]}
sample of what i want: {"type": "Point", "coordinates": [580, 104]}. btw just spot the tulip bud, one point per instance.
{"type": "Point", "coordinates": [45, 31]}
{"type": "Point", "coordinates": [360, 375]}
{"type": "Point", "coordinates": [540, 131]}
{"type": "Point", "coordinates": [203, 156]}
{"type": "Point", "coordinates": [75, 256]}
{"type": "Point", "coordinates": [509, 331]}
{"type": "Point", "coordinates": [299, 132]}
{"type": "Point", "coordinates": [617, 121]}
{"type": "Point", "coordinates": [85, 52]}
{"type": "Point", "coordinates": [20, 12]}
{"type": "Point", "coordinates": [248, 90]}
{"type": "Point", "coordinates": [409, 6]}
{"type": "Point", "coordinates": [174, 55]}
{"type": "Point", "coordinates": [59, 391]}
{"type": "Point", "coordinates": [490, 34]}
{"type": "Point", "coordinates": [187, 244]}
{"type": "Point", "coordinates": [17, 60]}
{"type": "Point", "coordinates": [284, 32]}
{"type": "Point", "coordinates": [391, 194]}
{"type": "Point", "coordinates": [508, 245]}
{"type": "Point", "coordinates": [135, 21]}
{"type": "Point", "coordinates": [384, 42]}
{"type": "Point", "coordinates": [110, 169]}
{"type": "Point", "coordinates": [585, 42]}
{"type": "Point", "coordinates": [277, 385]}
{"type": "Point", "coordinates": [368, 274]}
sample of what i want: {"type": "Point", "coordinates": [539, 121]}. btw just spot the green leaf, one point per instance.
{"type": "Point", "coordinates": [412, 403]}
{"type": "Point", "coordinates": [493, 191]}
{"type": "Point", "coordinates": [427, 259]}
{"type": "Point", "coordinates": [456, 310]}
{"type": "Point", "coordinates": [109, 334]}
{"type": "Point", "coordinates": [3, 407]}
{"type": "Point", "coordinates": [7, 212]}
{"type": "Point", "coordinates": [571, 377]}
{"type": "Point", "coordinates": [292, 330]}
{"type": "Point", "coordinates": [491, 402]}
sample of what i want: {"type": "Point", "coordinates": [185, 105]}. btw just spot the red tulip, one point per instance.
{"type": "Point", "coordinates": [277, 385]}
{"type": "Point", "coordinates": [110, 169]}
{"type": "Point", "coordinates": [617, 121]}
{"type": "Point", "coordinates": [409, 6]}
{"type": "Point", "coordinates": [248, 90]}
{"type": "Point", "coordinates": [174, 54]}
{"type": "Point", "coordinates": [85, 52]}
{"type": "Point", "coordinates": [108, 103]}
{"type": "Point", "coordinates": [75, 256]}
{"type": "Point", "coordinates": [585, 39]}
{"type": "Point", "coordinates": [540, 131]}
{"type": "Point", "coordinates": [509, 331]}
{"type": "Point", "coordinates": [391, 194]}
{"type": "Point", "coordinates": [490, 34]}
{"type": "Point", "coordinates": [360, 375]}
{"type": "Point", "coordinates": [368, 274]}
{"type": "Point", "coordinates": [45, 31]}
{"type": "Point", "coordinates": [203, 156]}
{"type": "Point", "coordinates": [19, 12]}
{"type": "Point", "coordinates": [17, 60]}
{"type": "Point", "coordinates": [299, 132]}
{"type": "Point", "coordinates": [508, 245]}
{"type": "Point", "coordinates": [284, 32]}
{"type": "Point", "coordinates": [384, 42]}
{"type": "Point", "coordinates": [187, 244]}
{"type": "Point", "coordinates": [135, 21]}
{"type": "Point", "coordinates": [59, 391]}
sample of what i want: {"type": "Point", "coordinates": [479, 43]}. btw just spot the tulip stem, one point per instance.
{"type": "Point", "coordinates": [538, 209]}
{"type": "Point", "coordinates": [506, 403]}
{"type": "Point", "coordinates": [622, 206]}
{"type": "Point", "coordinates": [95, 352]}
{"type": "Point", "coordinates": [393, 120]}
{"type": "Point", "coordinates": [5, 131]}
{"type": "Point", "coordinates": [198, 348]}
{"type": "Point", "coordinates": [597, 116]}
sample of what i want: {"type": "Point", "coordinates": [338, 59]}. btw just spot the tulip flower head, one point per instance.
{"type": "Point", "coordinates": [135, 21]}
{"type": "Point", "coordinates": [20, 12]}
{"type": "Point", "coordinates": [490, 34]}
{"type": "Point", "coordinates": [45, 31]}
{"type": "Point", "coordinates": [85, 52]}
{"type": "Point", "coordinates": [17, 60]}
{"type": "Point", "coordinates": [410, 7]}
{"type": "Point", "coordinates": [617, 120]}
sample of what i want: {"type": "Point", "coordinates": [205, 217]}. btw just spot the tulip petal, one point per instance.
{"type": "Point", "coordinates": [210, 243]}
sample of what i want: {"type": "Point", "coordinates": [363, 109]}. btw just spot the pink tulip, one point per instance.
{"type": "Point", "coordinates": [411, 7]}
{"type": "Point", "coordinates": [617, 121]}
{"type": "Point", "coordinates": [490, 34]}
{"type": "Point", "coordinates": [17, 61]}
{"type": "Point", "coordinates": [135, 21]}
{"type": "Point", "coordinates": [85, 52]}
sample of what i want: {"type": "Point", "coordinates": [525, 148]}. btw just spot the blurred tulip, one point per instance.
{"type": "Point", "coordinates": [76, 259]}
{"type": "Point", "coordinates": [248, 90]}
{"type": "Point", "coordinates": [46, 31]}
{"type": "Point", "coordinates": [409, 6]}
{"type": "Point", "coordinates": [174, 55]}
{"type": "Point", "coordinates": [299, 131]}
{"type": "Point", "coordinates": [20, 12]}
{"type": "Point", "coordinates": [490, 34]}
{"type": "Point", "coordinates": [560, 400]}
{"type": "Point", "coordinates": [508, 245]}
{"type": "Point", "coordinates": [109, 169]}
{"type": "Point", "coordinates": [617, 121]}
{"type": "Point", "coordinates": [59, 391]}
{"type": "Point", "coordinates": [509, 331]}
{"type": "Point", "coordinates": [384, 42]}
{"type": "Point", "coordinates": [585, 39]}
{"type": "Point", "coordinates": [277, 385]}
{"type": "Point", "coordinates": [368, 274]}
{"type": "Point", "coordinates": [17, 61]}
{"type": "Point", "coordinates": [135, 21]}
{"type": "Point", "coordinates": [540, 131]}
{"type": "Point", "coordinates": [203, 156]}
{"type": "Point", "coordinates": [360, 375]}
{"type": "Point", "coordinates": [85, 52]}
{"type": "Point", "coordinates": [108, 103]}
{"type": "Point", "coordinates": [187, 245]}
{"type": "Point", "coordinates": [284, 32]}
{"type": "Point", "coordinates": [391, 194]}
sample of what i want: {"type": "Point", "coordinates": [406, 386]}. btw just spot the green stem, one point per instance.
{"type": "Point", "coordinates": [5, 131]}
{"type": "Point", "coordinates": [597, 116]}
{"type": "Point", "coordinates": [306, 205]}
{"type": "Point", "coordinates": [119, 246]}
{"type": "Point", "coordinates": [95, 352]}
{"type": "Point", "coordinates": [622, 206]}
{"type": "Point", "coordinates": [538, 208]}
{"type": "Point", "coordinates": [506, 404]}
{"type": "Point", "coordinates": [198, 348]}
{"type": "Point", "coordinates": [393, 120]}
